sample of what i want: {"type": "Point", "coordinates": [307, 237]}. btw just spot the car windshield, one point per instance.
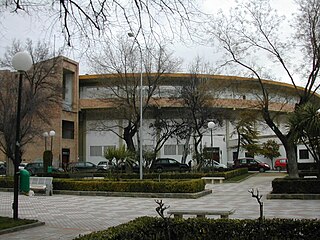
{"type": "Point", "coordinates": [103, 163]}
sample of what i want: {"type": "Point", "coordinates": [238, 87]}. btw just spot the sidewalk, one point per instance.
{"type": "Point", "coordinates": [68, 216]}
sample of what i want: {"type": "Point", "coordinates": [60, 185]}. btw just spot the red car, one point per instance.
{"type": "Point", "coordinates": [280, 164]}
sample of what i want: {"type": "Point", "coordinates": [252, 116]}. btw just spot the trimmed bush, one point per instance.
{"type": "Point", "coordinates": [153, 176]}
{"type": "Point", "coordinates": [167, 175]}
{"type": "Point", "coordinates": [6, 182]}
{"type": "Point", "coordinates": [292, 186]}
{"type": "Point", "coordinates": [145, 228]}
{"type": "Point", "coordinates": [186, 186]}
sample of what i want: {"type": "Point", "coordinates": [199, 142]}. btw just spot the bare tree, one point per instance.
{"type": "Point", "coordinates": [253, 31]}
{"type": "Point", "coordinates": [197, 95]}
{"type": "Point", "coordinates": [97, 17]}
{"type": "Point", "coordinates": [41, 91]}
{"type": "Point", "coordinates": [165, 127]}
{"type": "Point", "coordinates": [123, 62]}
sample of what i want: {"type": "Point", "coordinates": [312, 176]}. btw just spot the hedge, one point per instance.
{"type": "Point", "coordinates": [155, 176]}
{"type": "Point", "coordinates": [184, 186]}
{"type": "Point", "coordinates": [145, 228]}
{"type": "Point", "coordinates": [296, 186]}
{"type": "Point", "coordinates": [6, 182]}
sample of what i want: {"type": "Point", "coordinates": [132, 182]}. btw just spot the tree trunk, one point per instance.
{"type": "Point", "coordinates": [128, 138]}
{"type": "Point", "coordinates": [10, 167]}
{"type": "Point", "coordinates": [291, 151]}
{"type": "Point", "coordinates": [185, 149]}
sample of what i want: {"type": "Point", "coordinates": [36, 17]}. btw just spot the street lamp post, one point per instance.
{"type": "Point", "coordinates": [141, 110]}
{"type": "Point", "coordinates": [21, 62]}
{"type": "Point", "coordinates": [52, 133]}
{"type": "Point", "coordinates": [45, 135]}
{"type": "Point", "coordinates": [211, 126]}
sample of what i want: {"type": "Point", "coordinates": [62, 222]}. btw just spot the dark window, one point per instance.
{"type": "Point", "coordinates": [67, 129]}
{"type": "Point", "coordinates": [303, 154]}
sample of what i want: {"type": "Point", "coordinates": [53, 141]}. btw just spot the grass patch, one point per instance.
{"type": "Point", "coordinates": [239, 178]}
{"type": "Point", "coordinates": [6, 222]}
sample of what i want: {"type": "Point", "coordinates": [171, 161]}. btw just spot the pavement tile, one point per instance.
{"type": "Point", "coordinates": [68, 216]}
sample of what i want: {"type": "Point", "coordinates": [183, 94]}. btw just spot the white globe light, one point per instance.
{"type": "Point", "coordinates": [22, 61]}
{"type": "Point", "coordinates": [52, 133]}
{"type": "Point", "coordinates": [211, 125]}
{"type": "Point", "coordinates": [45, 134]}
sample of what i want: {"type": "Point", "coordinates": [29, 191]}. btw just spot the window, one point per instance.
{"type": "Point", "coordinates": [170, 150]}
{"type": "Point", "coordinates": [180, 149]}
{"type": "Point", "coordinates": [303, 154]}
{"type": "Point", "coordinates": [106, 148]}
{"type": "Point", "coordinates": [67, 129]}
{"type": "Point", "coordinates": [95, 151]}
{"type": "Point", "coordinates": [171, 161]}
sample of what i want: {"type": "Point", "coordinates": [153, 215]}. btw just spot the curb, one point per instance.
{"type": "Point", "coordinates": [293, 196]}
{"type": "Point", "coordinates": [135, 194]}
{"type": "Point", "coordinates": [128, 194]}
{"type": "Point", "coordinates": [22, 227]}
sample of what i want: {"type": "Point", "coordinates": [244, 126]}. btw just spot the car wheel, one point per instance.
{"type": "Point", "coordinates": [278, 169]}
{"type": "Point", "coordinates": [261, 170]}
{"type": "Point", "coordinates": [159, 170]}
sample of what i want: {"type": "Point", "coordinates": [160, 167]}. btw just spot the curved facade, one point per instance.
{"type": "Point", "coordinates": [226, 96]}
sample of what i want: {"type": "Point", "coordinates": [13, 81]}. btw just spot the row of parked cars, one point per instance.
{"type": "Point", "coordinates": [158, 165]}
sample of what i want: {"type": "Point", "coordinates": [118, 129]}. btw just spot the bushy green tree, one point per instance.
{"type": "Point", "coordinates": [306, 122]}
{"type": "Point", "coordinates": [270, 150]}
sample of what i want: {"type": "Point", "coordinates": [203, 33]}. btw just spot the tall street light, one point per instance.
{"type": "Point", "coordinates": [21, 62]}
{"type": "Point", "coordinates": [211, 126]}
{"type": "Point", "coordinates": [141, 117]}
{"type": "Point", "coordinates": [52, 133]}
{"type": "Point", "coordinates": [45, 135]}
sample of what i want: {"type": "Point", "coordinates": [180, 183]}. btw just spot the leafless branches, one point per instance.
{"type": "Point", "coordinates": [258, 196]}
{"type": "Point", "coordinates": [92, 18]}
{"type": "Point", "coordinates": [41, 91]}
{"type": "Point", "coordinates": [161, 208]}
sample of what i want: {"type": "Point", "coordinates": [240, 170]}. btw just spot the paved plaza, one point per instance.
{"type": "Point", "coordinates": [67, 216]}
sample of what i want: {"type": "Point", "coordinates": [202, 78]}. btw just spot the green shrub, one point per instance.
{"type": "Point", "coordinates": [145, 228]}
{"type": "Point", "coordinates": [153, 176]}
{"type": "Point", "coordinates": [187, 175]}
{"type": "Point", "coordinates": [6, 182]}
{"type": "Point", "coordinates": [292, 186]}
{"type": "Point", "coordinates": [186, 186]}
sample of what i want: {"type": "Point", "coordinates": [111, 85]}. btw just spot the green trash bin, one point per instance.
{"type": "Point", "coordinates": [24, 181]}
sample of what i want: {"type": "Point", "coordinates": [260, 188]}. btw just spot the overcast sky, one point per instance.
{"type": "Point", "coordinates": [21, 27]}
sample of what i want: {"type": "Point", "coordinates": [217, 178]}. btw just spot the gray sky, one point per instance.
{"type": "Point", "coordinates": [22, 26]}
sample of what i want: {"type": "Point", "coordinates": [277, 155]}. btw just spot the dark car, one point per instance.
{"type": "Point", "coordinates": [168, 164]}
{"type": "Point", "coordinates": [82, 167]}
{"type": "Point", "coordinates": [37, 167]}
{"type": "Point", "coordinates": [251, 163]}
{"type": "Point", "coordinates": [3, 168]}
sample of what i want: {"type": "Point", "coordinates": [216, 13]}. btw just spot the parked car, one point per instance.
{"type": "Point", "coordinates": [212, 165]}
{"type": "Point", "coordinates": [280, 164]}
{"type": "Point", "coordinates": [168, 164]}
{"type": "Point", "coordinates": [3, 168]}
{"type": "Point", "coordinates": [82, 167]}
{"type": "Point", "coordinates": [251, 163]}
{"type": "Point", "coordinates": [22, 165]}
{"type": "Point", "coordinates": [105, 166]}
{"type": "Point", "coordinates": [37, 167]}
